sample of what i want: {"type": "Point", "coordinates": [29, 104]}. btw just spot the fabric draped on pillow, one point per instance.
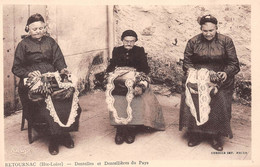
{"type": "Point", "coordinates": [52, 86]}
{"type": "Point", "coordinates": [122, 82]}
{"type": "Point", "coordinates": [199, 83]}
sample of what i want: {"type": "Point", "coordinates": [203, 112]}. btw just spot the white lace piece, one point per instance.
{"type": "Point", "coordinates": [129, 96]}
{"type": "Point", "coordinates": [202, 78]}
{"type": "Point", "coordinates": [73, 111]}
{"type": "Point", "coordinates": [75, 100]}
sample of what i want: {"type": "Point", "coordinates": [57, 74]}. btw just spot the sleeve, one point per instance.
{"type": "Point", "coordinates": [232, 63]}
{"type": "Point", "coordinates": [187, 63]}
{"type": "Point", "coordinates": [143, 63]}
{"type": "Point", "coordinates": [58, 58]}
{"type": "Point", "coordinates": [112, 63]}
{"type": "Point", "coordinates": [18, 68]}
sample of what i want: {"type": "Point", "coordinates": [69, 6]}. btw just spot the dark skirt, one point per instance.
{"type": "Point", "coordinates": [219, 116]}
{"type": "Point", "coordinates": [37, 112]}
{"type": "Point", "coordinates": [146, 110]}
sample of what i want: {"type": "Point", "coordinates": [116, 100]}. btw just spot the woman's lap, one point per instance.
{"type": "Point", "coordinates": [219, 117]}
{"type": "Point", "coordinates": [146, 110]}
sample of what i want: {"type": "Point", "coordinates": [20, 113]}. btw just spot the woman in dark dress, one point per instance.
{"type": "Point", "coordinates": [131, 103]}
{"type": "Point", "coordinates": [213, 54]}
{"type": "Point", "coordinates": [35, 56]}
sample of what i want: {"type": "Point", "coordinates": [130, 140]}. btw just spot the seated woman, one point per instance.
{"type": "Point", "coordinates": [130, 100]}
{"type": "Point", "coordinates": [46, 89]}
{"type": "Point", "coordinates": [210, 65]}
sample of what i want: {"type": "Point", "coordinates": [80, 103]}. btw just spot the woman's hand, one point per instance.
{"type": "Point", "coordinates": [138, 91]}
{"type": "Point", "coordinates": [34, 74]}
{"type": "Point", "coordinates": [222, 75]}
{"type": "Point", "coordinates": [213, 76]}
{"type": "Point", "coordinates": [64, 71]}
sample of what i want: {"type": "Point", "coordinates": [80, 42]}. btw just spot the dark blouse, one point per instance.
{"type": "Point", "coordinates": [218, 54]}
{"type": "Point", "coordinates": [31, 55]}
{"type": "Point", "coordinates": [135, 57]}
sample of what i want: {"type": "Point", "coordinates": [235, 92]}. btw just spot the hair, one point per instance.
{"type": "Point", "coordinates": [207, 18]}
{"type": "Point", "coordinates": [33, 18]}
{"type": "Point", "coordinates": [129, 33]}
{"type": "Point", "coordinates": [203, 24]}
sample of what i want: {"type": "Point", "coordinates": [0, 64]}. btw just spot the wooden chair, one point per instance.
{"type": "Point", "coordinates": [34, 121]}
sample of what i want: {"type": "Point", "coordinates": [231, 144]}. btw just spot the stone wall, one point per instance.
{"type": "Point", "coordinates": [164, 31]}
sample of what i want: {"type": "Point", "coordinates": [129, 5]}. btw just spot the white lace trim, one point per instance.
{"type": "Point", "coordinates": [75, 100]}
{"type": "Point", "coordinates": [129, 96]}
{"type": "Point", "coordinates": [202, 78]}
{"type": "Point", "coordinates": [73, 111]}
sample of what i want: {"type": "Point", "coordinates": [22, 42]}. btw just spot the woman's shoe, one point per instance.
{"type": "Point", "coordinates": [67, 141]}
{"type": "Point", "coordinates": [119, 138]}
{"type": "Point", "coordinates": [53, 147]}
{"type": "Point", "coordinates": [218, 147]}
{"type": "Point", "coordinates": [194, 139]}
{"type": "Point", "coordinates": [129, 139]}
{"type": "Point", "coordinates": [193, 143]}
{"type": "Point", "coordinates": [217, 143]}
{"type": "Point", "coordinates": [130, 135]}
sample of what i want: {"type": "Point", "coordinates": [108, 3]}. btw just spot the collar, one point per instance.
{"type": "Point", "coordinates": [130, 50]}
{"type": "Point", "coordinates": [36, 40]}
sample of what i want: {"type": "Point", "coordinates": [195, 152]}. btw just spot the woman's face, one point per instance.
{"type": "Point", "coordinates": [209, 30]}
{"type": "Point", "coordinates": [37, 29]}
{"type": "Point", "coordinates": [129, 42]}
